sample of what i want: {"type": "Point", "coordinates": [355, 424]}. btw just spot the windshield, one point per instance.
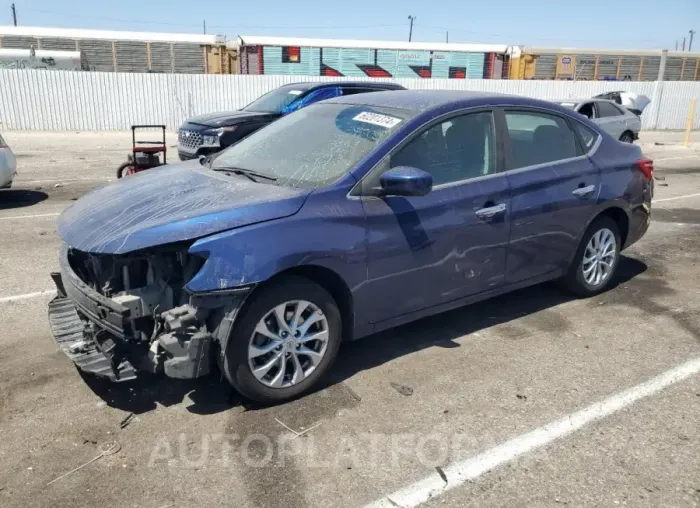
{"type": "Point", "coordinates": [314, 146]}
{"type": "Point", "coordinates": [276, 100]}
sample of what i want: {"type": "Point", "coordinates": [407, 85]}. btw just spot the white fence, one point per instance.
{"type": "Point", "coordinates": [94, 101]}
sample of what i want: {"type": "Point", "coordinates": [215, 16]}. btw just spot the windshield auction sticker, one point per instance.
{"type": "Point", "coordinates": [385, 121]}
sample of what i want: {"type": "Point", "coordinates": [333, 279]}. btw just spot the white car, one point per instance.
{"type": "Point", "coordinates": [618, 121]}
{"type": "Point", "coordinates": [8, 165]}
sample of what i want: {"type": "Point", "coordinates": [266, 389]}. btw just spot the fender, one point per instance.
{"type": "Point", "coordinates": [329, 231]}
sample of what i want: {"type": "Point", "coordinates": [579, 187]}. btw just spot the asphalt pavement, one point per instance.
{"type": "Point", "coordinates": [530, 399]}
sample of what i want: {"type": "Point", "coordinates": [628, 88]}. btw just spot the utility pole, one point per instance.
{"type": "Point", "coordinates": [204, 26]}
{"type": "Point", "coordinates": [447, 36]}
{"type": "Point", "coordinates": [410, 29]}
{"type": "Point", "coordinates": [676, 44]}
{"type": "Point", "coordinates": [14, 14]}
{"type": "Point", "coordinates": [683, 48]}
{"type": "Point", "coordinates": [690, 43]}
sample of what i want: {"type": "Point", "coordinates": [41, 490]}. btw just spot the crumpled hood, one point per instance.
{"type": "Point", "coordinates": [225, 118]}
{"type": "Point", "coordinates": [172, 203]}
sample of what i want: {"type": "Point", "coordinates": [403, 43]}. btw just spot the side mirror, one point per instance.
{"type": "Point", "coordinates": [405, 181]}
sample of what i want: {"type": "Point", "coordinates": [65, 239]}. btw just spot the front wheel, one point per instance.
{"type": "Point", "coordinates": [597, 257]}
{"type": "Point", "coordinates": [285, 342]}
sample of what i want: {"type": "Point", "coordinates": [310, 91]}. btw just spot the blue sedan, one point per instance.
{"type": "Point", "coordinates": [342, 219]}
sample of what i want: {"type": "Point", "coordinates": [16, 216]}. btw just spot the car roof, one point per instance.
{"type": "Point", "coordinates": [422, 100]}
{"type": "Point", "coordinates": [380, 85]}
{"type": "Point", "coordinates": [579, 101]}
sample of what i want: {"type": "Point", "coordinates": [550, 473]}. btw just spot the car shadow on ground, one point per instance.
{"type": "Point", "coordinates": [20, 198]}
{"type": "Point", "coordinates": [442, 330]}
{"type": "Point", "coordinates": [212, 394]}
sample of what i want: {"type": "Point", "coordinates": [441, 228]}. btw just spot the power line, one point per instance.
{"type": "Point", "coordinates": [163, 23]}
{"type": "Point", "coordinates": [238, 28]}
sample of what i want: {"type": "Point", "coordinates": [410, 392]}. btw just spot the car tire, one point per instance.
{"type": "Point", "coordinates": [120, 169]}
{"type": "Point", "coordinates": [627, 137]}
{"type": "Point", "coordinates": [260, 312]}
{"type": "Point", "coordinates": [582, 279]}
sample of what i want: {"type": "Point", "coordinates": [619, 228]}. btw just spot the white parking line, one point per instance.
{"type": "Point", "coordinates": [13, 217]}
{"type": "Point", "coordinates": [27, 296]}
{"type": "Point", "coordinates": [676, 197]}
{"type": "Point", "coordinates": [676, 158]}
{"type": "Point", "coordinates": [467, 470]}
{"type": "Point", "coordinates": [51, 180]}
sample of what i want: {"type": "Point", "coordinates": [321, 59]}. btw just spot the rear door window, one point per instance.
{"type": "Point", "coordinates": [539, 138]}
{"type": "Point", "coordinates": [606, 109]}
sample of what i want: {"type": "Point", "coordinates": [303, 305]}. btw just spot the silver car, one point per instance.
{"type": "Point", "coordinates": [616, 120]}
{"type": "Point", "coordinates": [8, 165]}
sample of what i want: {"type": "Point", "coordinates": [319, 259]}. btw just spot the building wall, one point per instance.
{"type": "Point", "coordinates": [363, 62]}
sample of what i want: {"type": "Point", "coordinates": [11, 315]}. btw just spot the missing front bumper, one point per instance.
{"type": "Point", "coordinates": [76, 341]}
{"type": "Point", "coordinates": [182, 351]}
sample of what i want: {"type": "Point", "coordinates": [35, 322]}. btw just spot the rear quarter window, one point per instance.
{"type": "Point", "coordinates": [588, 136]}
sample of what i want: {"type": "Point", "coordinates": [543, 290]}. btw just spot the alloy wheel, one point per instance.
{"type": "Point", "coordinates": [288, 344]}
{"type": "Point", "coordinates": [599, 258]}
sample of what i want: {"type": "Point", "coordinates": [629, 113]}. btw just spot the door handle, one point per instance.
{"type": "Point", "coordinates": [583, 191]}
{"type": "Point", "coordinates": [491, 211]}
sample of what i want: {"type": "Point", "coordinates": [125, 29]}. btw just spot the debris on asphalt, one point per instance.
{"type": "Point", "coordinates": [286, 427]}
{"type": "Point", "coordinates": [126, 420]}
{"type": "Point", "coordinates": [353, 394]}
{"type": "Point", "coordinates": [441, 473]}
{"type": "Point", "coordinates": [297, 434]}
{"type": "Point", "coordinates": [657, 177]}
{"type": "Point", "coordinates": [58, 185]}
{"type": "Point", "coordinates": [446, 411]}
{"type": "Point", "coordinates": [521, 397]}
{"type": "Point", "coordinates": [402, 389]}
{"type": "Point", "coordinates": [106, 449]}
{"type": "Point", "coordinates": [38, 188]}
{"type": "Point", "coordinates": [663, 185]}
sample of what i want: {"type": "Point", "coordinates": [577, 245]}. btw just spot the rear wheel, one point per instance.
{"type": "Point", "coordinates": [285, 342]}
{"type": "Point", "coordinates": [596, 260]}
{"type": "Point", "coordinates": [627, 137]}
{"type": "Point", "coordinates": [124, 169]}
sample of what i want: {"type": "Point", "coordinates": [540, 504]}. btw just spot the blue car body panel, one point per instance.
{"type": "Point", "coordinates": [169, 204]}
{"type": "Point", "coordinates": [400, 258]}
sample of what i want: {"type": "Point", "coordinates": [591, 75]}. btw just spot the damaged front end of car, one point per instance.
{"type": "Point", "coordinates": [116, 315]}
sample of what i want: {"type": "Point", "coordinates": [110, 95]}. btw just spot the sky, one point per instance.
{"type": "Point", "coordinates": [640, 24]}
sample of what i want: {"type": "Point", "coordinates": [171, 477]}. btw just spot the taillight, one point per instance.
{"type": "Point", "coordinates": [646, 166]}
